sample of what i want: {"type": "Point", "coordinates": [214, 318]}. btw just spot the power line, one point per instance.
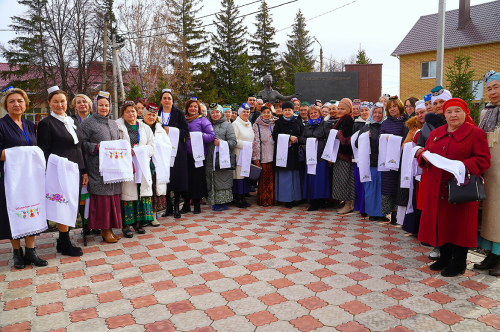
{"type": "Point", "coordinates": [206, 25]}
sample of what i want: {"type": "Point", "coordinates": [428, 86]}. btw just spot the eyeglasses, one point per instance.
{"type": "Point", "coordinates": [409, 106]}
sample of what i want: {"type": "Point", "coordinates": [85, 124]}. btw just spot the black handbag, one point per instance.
{"type": "Point", "coordinates": [301, 154]}
{"type": "Point", "coordinates": [471, 191]}
{"type": "Point", "coordinates": [232, 157]}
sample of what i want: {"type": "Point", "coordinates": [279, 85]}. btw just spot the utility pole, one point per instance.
{"type": "Point", "coordinates": [440, 43]}
{"type": "Point", "coordinates": [120, 76]}
{"type": "Point", "coordinates": [320, 54]}
{"type": "Point", "coordinates": [115, 79]}
{"type": "Point", "coordinates": [104, 49]}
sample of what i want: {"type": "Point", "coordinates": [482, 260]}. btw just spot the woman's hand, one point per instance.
{"type": "Point", "coordinates": [85, 180]}
{"type": "Point", "coordinates": [294, 139]}
{"type": "Point", "coordinates": [2, 157]}
{"type": "Point", "coordinates": [257, 163]}
{"type": "Point", "coordinates": [420, 151]}
{"type": "Point", "coordinates": [369, 133]}
{"type": "Point", "coordinates": [166, 128]}
{"type": "Point", "coordinates": [216, 141]}
{"type": "Point", "coordinates": [387, 138]}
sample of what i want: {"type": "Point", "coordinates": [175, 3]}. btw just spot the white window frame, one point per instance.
{"type": "Point", "coordinates": [429, 70]}
{"type": "Point", "coordinates": [479, 91]}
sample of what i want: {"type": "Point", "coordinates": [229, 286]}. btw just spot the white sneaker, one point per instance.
{"type": "Point", "coordinates": [434, 254]}
{"type": "Point", "coordinates": [155, 222]}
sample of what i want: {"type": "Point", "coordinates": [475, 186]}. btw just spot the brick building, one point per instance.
{"type": "Point", "coordinates": [479, 37]}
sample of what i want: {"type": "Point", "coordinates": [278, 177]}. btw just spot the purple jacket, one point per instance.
{"type": "Point", "coordinates": [201, 124]}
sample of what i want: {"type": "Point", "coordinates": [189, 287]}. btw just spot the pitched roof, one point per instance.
{"type": "Point", "coordinates": [483, 28]}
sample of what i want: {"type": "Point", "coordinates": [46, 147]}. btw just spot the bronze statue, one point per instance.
{"type": "Point", "coordinates": [269, 95]}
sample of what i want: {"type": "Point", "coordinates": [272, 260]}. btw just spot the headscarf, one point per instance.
{"type": "Point", "coordinates": [347, 103]}
{"type": "Point", "coordinates": [491, 76]}
{"type": "Point", "coordinates": [101, 95]}
{"type": "Point", "coordinates": [384, 116]}
{"type": "Point", "coordinates": [366, 104]}
{"type": "Point", "coordinates": [463, 105]}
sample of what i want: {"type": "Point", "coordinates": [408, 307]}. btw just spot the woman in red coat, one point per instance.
{"type": "Point", "coordinates": [452, 227]}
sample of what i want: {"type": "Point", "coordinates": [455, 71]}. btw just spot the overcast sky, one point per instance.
{"type": "Point", "coordinates": [379, 26]}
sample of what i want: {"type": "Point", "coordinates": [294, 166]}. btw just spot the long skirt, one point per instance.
{"type": "Point", "coordinates": [140, 211]}
{"type": "Point", "coordinates": [105, 212]}
{"type": "Point", "coordinates": [411, 222]}
{"type": "Point", "coordinates": [359, 203]}
{"type": "Point", "coordinates": [317, 186]}
{"type": "Point", "coordinates": [287, 185]}
{"type": "Point", "coordinates": [488, 245]}
{"type": "Point", "coordinates": [388, 204]}
{"type": "Point", "coordinates": [265, 190]}
{"type": "Point", "coordinates": [159, 202]}
{"type": "Point", "coordinates": [343, 184]}
{"type": "Point", "coordinates": [373, 194]}
{"type": "Point", "coordinates": [242, 186]}
{"type": "Point", "coordinates": [197, 182]}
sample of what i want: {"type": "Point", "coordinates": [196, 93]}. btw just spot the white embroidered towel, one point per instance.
{"type": "Point", "coordinates": [455, 167]}
{"type": "Point", "coordinates": [393, 154]}
{"type": "Point", "coordinates": [409, 207]}
{"type": "Point", "coordinates": [161, 160]}
{"type": "Point", "coordinates": [311, 155]}
{"type": "Point", "coordinates": [245, 159]}
{"type": "Point", "coordinates": [173, 134]}
{"type": "Point", "coordinates": [115, 156]}
{"type": "Point", "coordinates": [224, 155]}
{"type": "Point", "coordinates": [364, 152]}
{"type": "Point", "coordinates": [401, 214]}
{"type": "Point", "coordinates": [24, 178]}
{"type": "Point", "coordinates": [142, 165]}
{"type": "Point", "coordinates": [407, 165]}
{"type": "Point", "coordinates": [355, 152]}
{"type": "Point", "coordinates": [62, 182]}
{"type": "Point", "coordinates": [197, 147]}
{"type": "Point", "coordinates": [332, 147]}
{"type": "Point", "coordinates": [282, 150]}
{"type": "Point", "coordinates": [382, 151]}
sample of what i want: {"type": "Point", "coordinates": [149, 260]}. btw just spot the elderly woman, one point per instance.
{"type": "Point", "coordinates": [58, 136]}
{"type": "Point", "coordinates": [244, 133]}
{"type": "Point", "coordinates": [359, 122]}
{"type": "Point", "coordinates": [137, 206]}
{"type": "Point", "coordinates": [490, 225]}
{"type": "Point", "coordinates": [171, 116]}
{"type": "Point", "coordinates": [16, 131]}
{"type": "Point", "coordinates": [82, 106]}
{"type": "Point", "coordinates": [219, 181]}
{"type": "Point", "coordinates": [452, 227]}
{"type": "Point", "coordinates": [343, 184]}
{"type": "Point", "coordinates": [316, 186]}
{"type": "Point", "coordinates": [159, 189]}
{"type": "Point", "coordinates": [263, 149]}
{"type": "Point", "coordinates": [373, 188]}
{"type": "Point", "coordinates": [287, 184]}
{"type": "Point", "coordinates": [197, 185]}
{"type": "Point", "coordinates": [104, 210]}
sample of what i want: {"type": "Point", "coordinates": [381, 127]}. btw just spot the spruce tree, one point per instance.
{"type": "Point", "coordinates": [262, 44]}
{"type": "Point", "coordinates": [299, 57]}
{"type": "Point", "coordinates": [361, 58]}
{"type": "Point", "coordinates": [189, 36]}
{"type": "Point", "coordinates": [228, 43]}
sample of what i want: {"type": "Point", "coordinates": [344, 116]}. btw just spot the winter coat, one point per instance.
{"type": "Point", "coordinates": [96, 129]}
{"type": "Point", "coordinates": [432, 121]}
{"type": "Point", "coordinates": [203, 125]}
{"type": "Point", "coordinates": [179, 170]}
{"type": "Point", "coordinates": [374, 129]}
{"type": "Point", "coordinates": [293, 128]}
{"type": "Point", "coordinates": [358, 124]}
{"type": "Point", "coordinates": [442, 222]}
{"type": "Point", "coordinates": [146, 137]}
{"type": "Point", "coordinates": [243, 132]}
{"type": "Point", "coordinates": [253, 116]}
{"type": "Point", "coordinates": [390, 179]}
{"type": "Point", "coordinates": [263, 143]}
{"type": "Point", "coordinates": [161, 136]}
{"type": "Point", "coordinates": [223, 178]}
{"type": "Point", "coordinates": [413, 126]}
{"type": "Point", "coordinates": [320, 132]}
{"type": "Point", "coordinates": [344, 127]}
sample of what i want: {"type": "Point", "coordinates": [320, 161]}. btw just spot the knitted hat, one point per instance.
{"type": "Point", "coordinates": [346, 103]}
{"type": "Point", "coordinates": [287, 104]}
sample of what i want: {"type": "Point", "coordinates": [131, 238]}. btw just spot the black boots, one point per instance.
{"type": "Point", "coordinates": [244, 202]}
{"type": "Point", "coordinates": [31, 257]}
{"type": "Point", "coordinates": [196, 209]}
{"type": "Point", "coordinates": [458, 262]}
{"type": "Point", "coordinates": [177, 213]}
{"type": "Point", "coordinates": [65, 247]}
{"type": "Point", "coordinates": [238, 201]}
{"type": "Point", "coordinates": [314, 205]}
{"type": "Point", "coordinates": [394, 218]}
{"type": "Point", "coordinates": [186, 207]}
{"type": "Point", "coordinates": [489, 262]}
{"type": "Point", "coordinates": [169, 209]}
{"type": "Point", "coordinates": [446, 254]}
{"type": "Point", "coordinates": [19, 259]}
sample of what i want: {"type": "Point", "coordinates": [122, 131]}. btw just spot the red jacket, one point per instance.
{"type": "Point", "coordinates": [442, 222]}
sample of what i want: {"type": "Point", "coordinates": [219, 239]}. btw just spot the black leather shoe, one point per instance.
{"type": "Point", "coordinates": [288, 205]}
{"type": "Point", "coordinates": [314, 205]}
{"type": "Point", "coordinates": [186, 207]}
{"type": "Point", "coordinates": [495, 270]}
{"type": "Point", "coordinates": [453, 270]}
{"type": "Point", "coordinates": [244, 202]}
{"type": "Point", "coordinates": [373, 218]}
{"type": "Point", "coordinates": [177, 213]}
{"type": "Point", "coordinates": [32, 258]}
{"type": "Point", "coordinates": [439, 265]}
{"type": "Point", "coordinates": [489, 262]}
{"type": "Point", "coordinates": [19, 259]}
{"type": "Point", "coordinates": [66, 248]}
{"type": "Point", "coordinates": [197, 209]}
{"type": "Point", "coordinates": [239, 202]}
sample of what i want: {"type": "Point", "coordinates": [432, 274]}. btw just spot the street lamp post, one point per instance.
{"type": "Point", "coordinates": [320, 54]}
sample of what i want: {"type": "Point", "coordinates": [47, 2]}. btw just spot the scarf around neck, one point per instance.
{"type": "Point", "coordinates": [314, 122]}
{"type": "Point", "coordinates": [191, 118]}
{"type": "Point", "coordinates": [68, 123]}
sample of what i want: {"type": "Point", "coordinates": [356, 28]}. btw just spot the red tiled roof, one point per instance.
{"type": "Point", "coordinates": [483, 28]}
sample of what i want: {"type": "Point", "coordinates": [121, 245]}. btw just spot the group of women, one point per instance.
{"type": "Point", "coordinates": [288, 143]}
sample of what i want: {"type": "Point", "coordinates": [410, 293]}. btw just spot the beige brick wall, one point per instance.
{"type": "Point", "coordinates": [484, 58]}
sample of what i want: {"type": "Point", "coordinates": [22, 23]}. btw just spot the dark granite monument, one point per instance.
{"type": "Point", "coordinates": [326, 86]}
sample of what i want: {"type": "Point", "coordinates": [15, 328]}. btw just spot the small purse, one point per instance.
{"type": "Point", "coordinates": [471, 191]}
{"type": "Point", "coordinates": [232, 157]}
{"type": "Point", "coordinates": [255, 172]}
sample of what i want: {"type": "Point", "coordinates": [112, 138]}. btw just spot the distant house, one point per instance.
{"type": "Point", "coordinates": [479, 37]}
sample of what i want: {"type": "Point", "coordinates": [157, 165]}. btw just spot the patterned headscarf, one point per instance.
{"type": "Point", "coordinates": [384, 116]}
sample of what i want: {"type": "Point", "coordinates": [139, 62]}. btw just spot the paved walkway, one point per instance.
{"type": "Point", "coordinates": [262, 269]}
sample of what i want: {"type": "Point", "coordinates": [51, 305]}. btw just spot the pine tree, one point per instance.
{"type": "Point", "coordinates": [264, 58]}
{"type": "Point", "coordinates": [361, 58]}
{"type": "Point", "coordinates": [228, 43]}
{"type": "Point", "coordinates": [190, 36]}
{"type": "Point", "coordinates": [299, 57]}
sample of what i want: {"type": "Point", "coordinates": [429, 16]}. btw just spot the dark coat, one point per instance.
{"type": "Point", "coordinates": [319, 131]}
{"type": "Point", "coordinates": [358, 124]}
{"type": "Point", "coordinates": [345, 128]}
{"type": "Point", "coordinates": [293, 128]}
{"type": "Point", "coordinates": [179, 171]}
{"type": "Point", "coordinates": [390, 179]}
{"type": "Point", "coordinates": [432, 121]}
{"type": "Point", "coordinates": [374, 129]}
{"type": "Point", "coordinates": [454, 223]}
{"type": "Point", "coordinates": [254, 116]}
{"type": "Point", "coordinates": [54, 138]}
